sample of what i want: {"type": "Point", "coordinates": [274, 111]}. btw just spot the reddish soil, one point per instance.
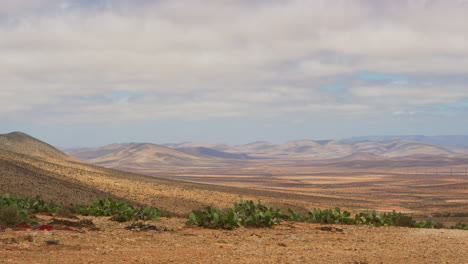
{"type": "Point", "coordinates": [289, 242]}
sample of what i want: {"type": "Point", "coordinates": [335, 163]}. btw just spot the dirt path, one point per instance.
{"type": "Point", "coordinates": [286, 243]}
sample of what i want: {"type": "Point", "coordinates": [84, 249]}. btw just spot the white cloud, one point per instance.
{"type": "Point", "coordinates": [395, 94]}
{"type": "Point", "coordinates": [222, 58]}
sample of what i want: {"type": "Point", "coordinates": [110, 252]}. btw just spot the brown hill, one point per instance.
{"type": "Point", "coordinates": [24, 144]}
{"type": "Point", "coordinates": [454, 141]}
{"type": "Point", "coordinates": [331, 149]}
{"type": "Point", "coordinates": [92, 153]}
{"type": "Point", "coordinates": [219, 147]}
{"type": "Point", "coordinates": [208, 152]}
{"type": "Point", "coordinates": [28, 176]}
{"type": "Point", "coordinates": [142, 155]}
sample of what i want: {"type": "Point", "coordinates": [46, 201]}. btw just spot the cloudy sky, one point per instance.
{"type": "Point", "coordinates": [92, 72]}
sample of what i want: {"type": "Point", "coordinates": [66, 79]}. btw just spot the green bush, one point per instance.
{"type": "Point", "coordinates": [257, 215]}
{"type": "Point", "coordinates": [119, 211]}
{"type": "Point", "coordinates": [330, 216]}
{"type": "Point", "coordinates": [12, 215]}
{"type": "Point", "coordinates": [459, 226]}
{"type": "Point", "coordinates": [31, 205]}
{"type": "Point", "coordinates": [387, 219]}
{"type": "Point", "coordinates": [293, 216]}
{"type": "Point", "coordinates": [15, 210]}
{"type": "Point", "coordinates": [244, 213]}
{"type": "Point", "coordinates": [426, 224]}
{"type": "Point", "coordinates": [335, 216]}
{"type": "Point", "coordinates": [400, 219]}
{"type": "Point", "coordinates": [214, 218]}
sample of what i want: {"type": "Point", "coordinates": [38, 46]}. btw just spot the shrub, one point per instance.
{"type": "Point", "coordinates": [400, 219]}
{"type": "Point", "coordinates": [244, 213]}
{"type": "Point", "coordinates": [257, 215]}
{"type": "Point", "coordinates": [119, 211]}
{"type": "Point", "coordinates": [293, 216]}
{"type": "Point", "coordinates": [459, 226]}
{"type": "Point", "coordinates": [10, 215]}
{"type": "Point", "coordinates": [426, 224]}
{"type": "Point", "coordinates": [369, 218]}
{"type": "Point", "coordinates": [31, 205]}
{"type": "Point", "coordinates": [15, 210]}
{"type": "Point", "coordinates": [335, 216]}
{"type": "Point", "coordinates": [330, 216]}
{"type": "Point", "coordinates": [214, 218]}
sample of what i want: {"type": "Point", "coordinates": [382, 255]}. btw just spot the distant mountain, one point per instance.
{"type": "Point", "coordinates": [140, 155]}
{"type": "Point", "coordinates": [92, 153]}
{"type": "Point", "coordinates": [219, 147]}
{"type": "Point", "coordinates": [22, 143]}
{"type": "Point", "coordinates": [454, 141]}
{"type": "Point", "coordinates": [201, 151]}
{"type": "Point", "coordinates": [331, 149]}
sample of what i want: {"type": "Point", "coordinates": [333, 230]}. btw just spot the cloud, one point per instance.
{"type": "Point", "coordinates": [366, 76]}
{"type": "Point", "coordinates": [201, 59]}
{"type": "Point", "coordinates": [404, 94]}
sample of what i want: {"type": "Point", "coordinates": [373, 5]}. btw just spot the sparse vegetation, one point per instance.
{"type": "Point", "coordinates": [246, 213]}
{"type": "Point", "coordinates": [459, 226]}
{"type": "Point", "coordinates": [329, 216]}
{"type": "Point", "coordinates": [257, 215]}
{"type": "Point", "coordinates": [214, 218]}
{"type": "Point", "coordinates": [32, 205]}
{"type": "Point", "coordinates": [386, 219]}
{"type": "Point", "coordinates": [15, 210]}
{"type": "Point", "coordinates": [120, 211]}
{"type": "Point", "coordinates": [11, 215]}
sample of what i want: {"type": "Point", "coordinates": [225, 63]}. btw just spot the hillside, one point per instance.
{"type": "Point", "coordinates": [453, 141]}
{"type": "Point", "coordinates": [68, 181]}
{"type": "Point", "coordinates": [28, 176]}
{"type": "Point", "coordinates": [24, 144]}
{"type": "Point", "coordinates": [332, 149]}
{"type": "Point", "coordinates": [140, 154]}
{"type": "Point", "coordinates": [92, 153]}
{"type": "Point", "coordinates": [207, 152]}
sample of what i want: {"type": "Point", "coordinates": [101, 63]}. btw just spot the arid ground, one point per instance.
{"type": "Point", "coordinates": [420, 186]}
{"type": "Point", "coordinates": [289, 242]}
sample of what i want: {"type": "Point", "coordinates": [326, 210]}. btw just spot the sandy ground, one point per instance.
{"type": "Point", "coordinates": [289, 242]}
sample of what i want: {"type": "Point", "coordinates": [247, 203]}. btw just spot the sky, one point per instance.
{"type": "Point", "coordinates": [93, 72]}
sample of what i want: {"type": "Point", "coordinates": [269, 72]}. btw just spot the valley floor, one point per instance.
{"type": "Point", "coordinates": [289, 242]}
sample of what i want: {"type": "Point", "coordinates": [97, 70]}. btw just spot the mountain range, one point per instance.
{"type": "Point", "coordinates": [453, 141]}
{"type": "Point", "coordinates": [331, 149]}
{"type": "Point", "coordinates": [131, 156]}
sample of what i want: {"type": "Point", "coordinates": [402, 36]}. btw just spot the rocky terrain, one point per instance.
{"type": "Point", "coordinates": [290, 242]}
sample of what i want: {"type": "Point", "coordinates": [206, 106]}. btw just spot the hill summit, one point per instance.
{"type": "Point", "coordinates": [25, 144]}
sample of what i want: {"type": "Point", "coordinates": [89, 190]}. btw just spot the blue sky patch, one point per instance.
{"type": "Point", "coordinates": [373, 76]}
{"type": "Point", "coordinates": [334, 87]}
{"type": "Point", "coordinates": [461, 104]}
{"type": "Point", "coordinates": [120, 94]}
